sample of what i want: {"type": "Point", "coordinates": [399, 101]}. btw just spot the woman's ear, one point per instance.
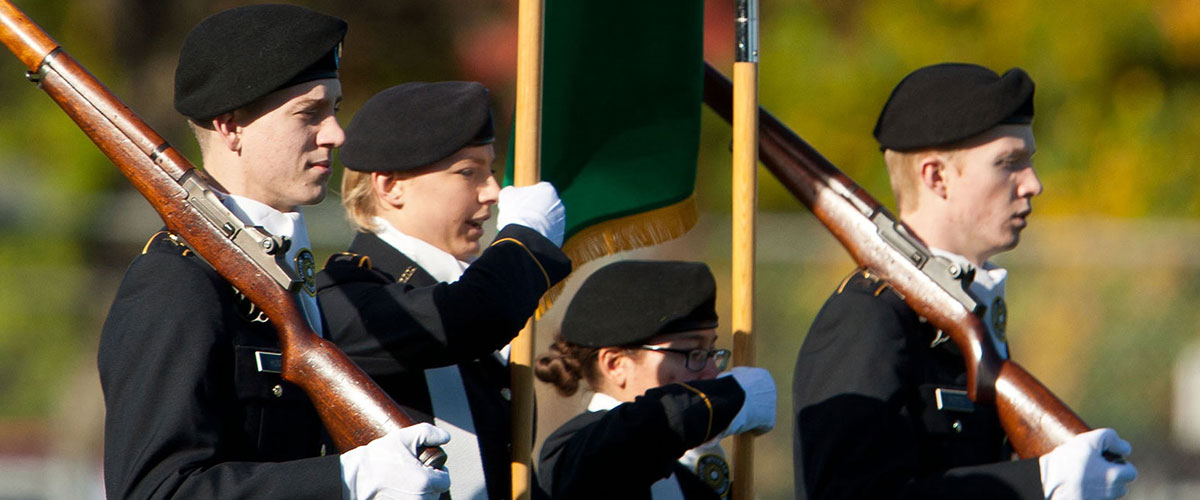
{"type": "Point", "coordinates": [612, 363]}
{"type": "Point", "coordinates": [229, 131]}
{"type": "Point", "coordinates": [388, 188]}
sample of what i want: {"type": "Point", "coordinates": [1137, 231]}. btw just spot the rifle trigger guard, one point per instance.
{"type": "Point", "coordinates": [264, 248]}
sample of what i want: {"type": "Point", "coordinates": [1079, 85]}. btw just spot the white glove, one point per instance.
{"type": "Point", "coordinates": [536, 207]}
{"type": "Point", "coordinates": [758, 411]}
{"type": "Point", "coordinates": [387, 468]}
{"type": "Point", "coordinates": [1077, 470]}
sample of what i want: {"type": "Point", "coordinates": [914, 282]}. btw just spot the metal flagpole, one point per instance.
{"type": "Point", "coordinates": [745, 201]}
{"type": "Point", "coordinates": [526, 171]}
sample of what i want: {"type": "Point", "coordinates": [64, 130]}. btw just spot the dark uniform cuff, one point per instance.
{"type": "Point", "coordinates": [699, 410]}
{"type": "Point", "coordinates": [549, 257]}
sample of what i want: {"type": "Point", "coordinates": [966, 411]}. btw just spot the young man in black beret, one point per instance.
{"type": "Point", "coordinates": [874, 385]}
{"type": "Point", "coordinates": [410, 302]}
{"type": "Point", "coordinates": [193, 411]}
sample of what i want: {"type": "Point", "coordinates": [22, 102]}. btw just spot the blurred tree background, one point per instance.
{"type": "Point", "coordinates": [1102, 289]}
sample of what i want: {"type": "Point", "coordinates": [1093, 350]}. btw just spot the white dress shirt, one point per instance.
{"type": "Point", "coordinates": [447, 393]}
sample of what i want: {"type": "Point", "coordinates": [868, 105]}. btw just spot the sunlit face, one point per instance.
{"type": "Point", "coordinates": [650, 369]}
{"type": "Point", "coordinates": [989, 191]}
{"type": "Point", "coordinates": [446, 203]}
{"type": "Point", "coordinates": [286, 144]}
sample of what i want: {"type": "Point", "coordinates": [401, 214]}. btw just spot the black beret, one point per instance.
{"type": "Point", "coordinates": [238, 55]}
{"type": "Point", "coordinates": [630, 301]}
{"type": "Point", "coordinates": [417, 124]}
{"type": "Point", "coordinates": [946, 103]}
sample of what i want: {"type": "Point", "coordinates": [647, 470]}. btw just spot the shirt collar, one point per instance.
{"type": "Point", "coordinates": [287, 224]}
{"type": "Point", "coordinates": [601, 401]}
{"type": "Point", "coordinates": [439, 264]}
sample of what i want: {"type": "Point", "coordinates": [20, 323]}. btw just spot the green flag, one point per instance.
{"type": "Point", "coordinates": [621, 95]}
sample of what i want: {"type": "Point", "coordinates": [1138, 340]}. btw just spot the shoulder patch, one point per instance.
{"type": "Point", "coordinates": [166, 241]}
{"type": "Point", "coordinates": [343, 268]}
{"type": "Point", "coordinates": [713, 471]}
{"type": "Point", "coordinates": [349, 258]}
{"type": "Point", "coordinates": [863, 280]}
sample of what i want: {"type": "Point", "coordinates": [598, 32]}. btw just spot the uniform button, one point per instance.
{"type": "Point", "coordinates": [277, 390]}
{"type": "Point", "coordinates": [957, 426]}
{"type": "Point", "coordinates": [506, 393]}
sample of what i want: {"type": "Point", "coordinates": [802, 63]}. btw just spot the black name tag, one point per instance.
{"type": "Point", "coordinates": [953, 400]}
{"type": "Point", "coordinates": [269, 362]}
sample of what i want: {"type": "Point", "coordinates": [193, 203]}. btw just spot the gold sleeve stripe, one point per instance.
{"type": "Point", "coordinates": [851, 276]}
{"type": "Point", "coordinates": [146, 247]}
{"type": "Point", "coordinates": [535, 261]}
{"type": "Point", "coordinates": [708, 430]}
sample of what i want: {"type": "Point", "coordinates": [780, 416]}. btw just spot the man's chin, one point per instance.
{"type": "Point", "coordinates": [1011, 244]}
{"type": "Point", "coordinates": [315, 199]}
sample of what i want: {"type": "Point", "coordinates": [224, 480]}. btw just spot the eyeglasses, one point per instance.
{"type": "Point", "coordinates": [696, 359]}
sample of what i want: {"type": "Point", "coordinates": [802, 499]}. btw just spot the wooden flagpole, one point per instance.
{"type": "Point", "coordinates": [526, 171]}
{"type": "Point", "coordinates": [745, 201]}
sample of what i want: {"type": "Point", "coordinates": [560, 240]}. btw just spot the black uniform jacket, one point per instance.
{"type": "Point", "coordinates": [867, 419]}
{"type": "Point", "coordinates": [620, 453]}
{"type": "Point", "coordinates": [395, 320]}
{"type": "Point", "coordinates": [189, 413]}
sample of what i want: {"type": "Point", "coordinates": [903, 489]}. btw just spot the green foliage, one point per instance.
{"type": "Point", "coordinates": [42, 334]}
{"type": "Point", "coordinates": [52, 174]}
{"type": "Point", "coordinates": [1116, 90]}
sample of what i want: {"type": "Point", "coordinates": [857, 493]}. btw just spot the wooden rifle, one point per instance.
{"type": "Point", "coordinates": [1035, 420]}
{"type": "Point", "coordinates": [353, 408]}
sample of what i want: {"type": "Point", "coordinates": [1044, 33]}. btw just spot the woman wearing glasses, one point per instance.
{"type": "Point", "coordinates": [641, 334]}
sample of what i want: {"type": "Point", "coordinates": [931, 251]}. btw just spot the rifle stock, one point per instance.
{"type": "Point", "coordinates": [353, 408]}
{"type": "Point", "coordinates": [1035, 420]}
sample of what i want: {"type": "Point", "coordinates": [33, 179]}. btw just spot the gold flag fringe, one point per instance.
{"type": "Point", "coordinates": [625, 233]}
